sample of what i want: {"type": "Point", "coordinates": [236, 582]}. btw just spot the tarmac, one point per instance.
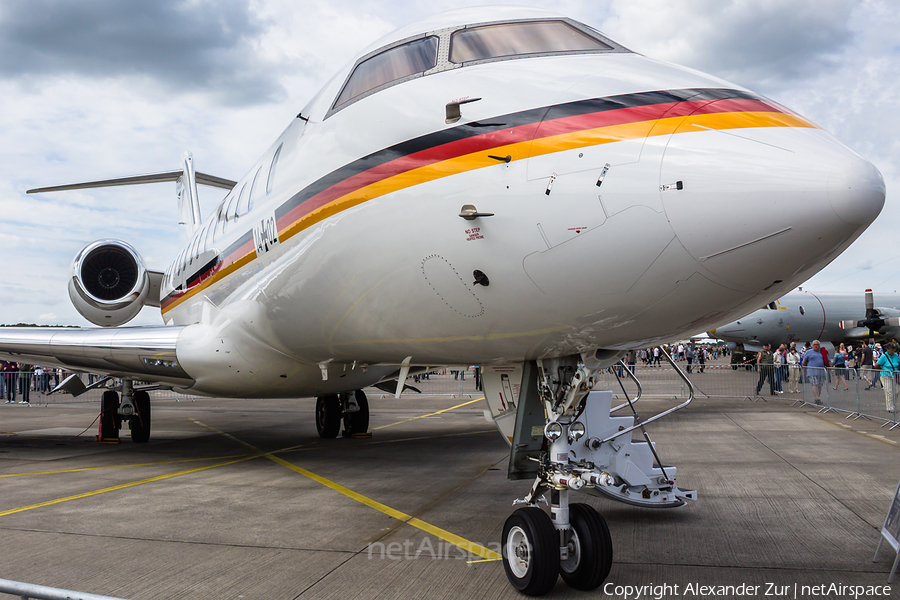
{"type": "Point", "coordinates": [240, 499]}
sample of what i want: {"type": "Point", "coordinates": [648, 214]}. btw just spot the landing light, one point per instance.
{"type": "Point", "coordinates": [576, 430]}
{"type": "Point", "coordinates": [553, 431]}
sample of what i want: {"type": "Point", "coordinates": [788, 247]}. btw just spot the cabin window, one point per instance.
{"type": "Point", "coordinates": [210, 234]}
{"type": "Point", "coordinates": [255, 190]}
{"type": "Point", "coordinates": [221, 215]}
{"type": "Point", "coordinates": [232, 207]}
{"type": "Point", "coordinates": [271, 179]}
{"type": "Point", "coordinates": [243, 201]}
{"type": "Point", "coordinates": [518, 39]}
{"type": "Point", "coordinates": [399, 62]}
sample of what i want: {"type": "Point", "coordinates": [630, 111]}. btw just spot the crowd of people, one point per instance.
{"type": "Point", "coordinates": [877, 366]}
{"type": "Point", "coordinates": [18, 380]}
{"type": "Point", "coordinates": [692, 354]}
{"type": "Point", "coordinates": [874, 365]}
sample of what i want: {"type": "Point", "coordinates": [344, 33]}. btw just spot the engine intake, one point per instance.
{"type": "Point", "coordinates": [109, 283]}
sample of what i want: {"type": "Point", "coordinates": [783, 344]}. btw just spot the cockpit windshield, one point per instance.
{"type": "Point", "coordinates": [397, 63]}
{"type": "Point", "coordinates": [458, 47]}
{"type": "Point", "coordinates": [516, 39]}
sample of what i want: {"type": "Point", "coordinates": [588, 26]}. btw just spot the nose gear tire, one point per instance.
{"type": "Point", "coordinates": [592, 561]}
{"type": "Point", "coordinates": [530, 551]}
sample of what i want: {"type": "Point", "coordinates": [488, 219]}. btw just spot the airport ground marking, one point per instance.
{"type": "Point", "coordinates": [429, 414]}
{"type": "Point", "coordinates": [149, 464]}
{"type": "Point", "coordinates": [460, 542]}
{"type": "Point", "coordinates": [357, 444]}
{"type": "Point", "coordinates": [124, 486]}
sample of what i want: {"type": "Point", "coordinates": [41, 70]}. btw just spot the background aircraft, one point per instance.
{"type": "Point", "coordinates": [803, 316]}
{"type": "Point", "coordinates": [461, 192]}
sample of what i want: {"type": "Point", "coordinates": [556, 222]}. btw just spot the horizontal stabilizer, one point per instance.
{"type": "Point", "coordinates": [202, 178]}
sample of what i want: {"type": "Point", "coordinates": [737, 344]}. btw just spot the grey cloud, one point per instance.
{"type": "Point", "coordinates": [193, 45]}
{"type": "Point", "coordinates": [768, 45]}
{"type": "Point", "coordinates": [784, 43]}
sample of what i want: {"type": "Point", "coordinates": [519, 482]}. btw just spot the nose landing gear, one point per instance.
{"type": "Point", "coordinates": [584, 449]}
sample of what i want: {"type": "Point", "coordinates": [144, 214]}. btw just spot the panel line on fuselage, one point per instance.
{"type": "Point", "coordinates": [526, 134]}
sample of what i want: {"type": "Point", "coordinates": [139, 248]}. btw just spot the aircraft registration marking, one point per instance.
{"type": "Point", "coordinates": [265, 235]}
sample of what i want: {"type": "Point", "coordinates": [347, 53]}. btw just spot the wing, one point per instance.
{"type": "Point", "coordinates": [143, 353]}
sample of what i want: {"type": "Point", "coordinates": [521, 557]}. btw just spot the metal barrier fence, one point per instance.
{"type": "Point", "coordinates": [858, 392]}
{"type": "Point", "coordinates": [456, 382]}
{"type": "Point", "coordinates": [27, 591]}
{"type": "Point", "coordinates": [23, 387]}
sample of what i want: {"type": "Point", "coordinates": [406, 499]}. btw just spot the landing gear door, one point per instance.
{"type": "Point", "coordinates": [502, 387]}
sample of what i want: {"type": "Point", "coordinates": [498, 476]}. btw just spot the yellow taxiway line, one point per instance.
{"type": "Point", "coordinates": [464, 544]}
{"type": "Point", "coordinates": [429, 414]}
{"type": "Point", "coordinates": [122, 486]}
{"type": "Point", "coordinates": [149, 464]}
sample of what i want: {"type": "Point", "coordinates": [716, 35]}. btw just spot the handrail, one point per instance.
{"type": "Point", "coordinates": [42, 592]}
{"type": "Point", "coordinates": [636, 382]}
{"type": "Point", "coordinates": [664, 413]}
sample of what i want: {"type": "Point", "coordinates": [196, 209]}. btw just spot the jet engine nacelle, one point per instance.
{"type": "Point", "coordinates": [109, 283]}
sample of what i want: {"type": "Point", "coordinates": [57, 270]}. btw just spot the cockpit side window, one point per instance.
{"type": "Point", "coordinates": [517, 39]}
{"type": "Point", "coordinates": [407, 60]}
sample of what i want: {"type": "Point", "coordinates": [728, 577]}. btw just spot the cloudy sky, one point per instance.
{"type": "Point", "coordinates": [106, 88]}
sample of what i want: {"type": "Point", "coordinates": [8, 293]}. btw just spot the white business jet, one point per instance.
{"type": "Point", "coordinates": [504, 187]}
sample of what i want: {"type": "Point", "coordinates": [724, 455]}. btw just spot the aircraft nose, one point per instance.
{"type": "Point", "coordinates": [763, 209]}
{"type": "Point", "coordinates": [856, 191]}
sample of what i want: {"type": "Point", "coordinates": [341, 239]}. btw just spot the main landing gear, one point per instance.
{"type": "Point", "coordinates": [582, 448]}
{"type": "Point", "coordinates": [134, 407]}
{"type": "Point", "coordinates": [349, 408]}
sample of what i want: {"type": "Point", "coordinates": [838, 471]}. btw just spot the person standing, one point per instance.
{"type": "Point", "coordinates": [840, 367]}
{"type": "Point", "coordinates": [765, 364]}
{"type": "Point", "coordinates": [866, 364]}
{"type": "Point", "coordinates": [26, 373]}
{"type": "Point", "coordinates": [815, 364]}
{"type": "Point", "coordinates": [890, 365]}
{"type": "Point", "coordinates": [777, 370]}
{"type": "Point", "coordinates": [689, 356]}
{"type": "Point", "coordinates": [631, 360]}
{"type": "Point", "coordinates": [701, 358]}
{"type": "Point", "coordinates": [10, 377]}
{"type": "Point", "coordinates": [793, 365]}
